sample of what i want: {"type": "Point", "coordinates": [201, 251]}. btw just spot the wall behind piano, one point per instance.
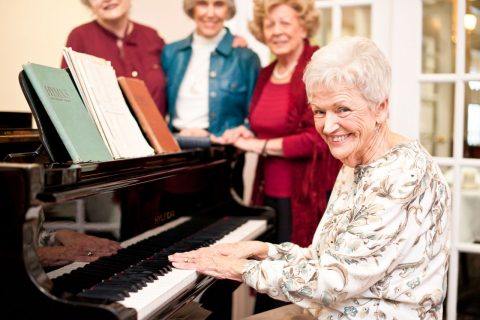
{"type": "Point", "coordinates": [36, 31]}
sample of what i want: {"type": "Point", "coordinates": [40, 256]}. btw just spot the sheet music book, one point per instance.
{"type": "Point", "coordinates": [67, 113]}
{"type": "Point", "coordinates": [148, 115]}
{"type": "Point", "coordinates": [97, 83]}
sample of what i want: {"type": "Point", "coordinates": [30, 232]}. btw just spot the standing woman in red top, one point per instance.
{"type": "Point", "coordinates": [296, 171]}
{"type": "Point", "coordinates": [133, 49]}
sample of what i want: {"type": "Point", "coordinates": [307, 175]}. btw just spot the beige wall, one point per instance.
{"type": "Point", "coordinates": [36, 31]}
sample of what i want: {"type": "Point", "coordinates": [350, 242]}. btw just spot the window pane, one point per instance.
{"type": "Point", "coordinates": [438, 42]}
{"type": "Point", "coordinates": [436, 118]}
{"type": "Point", "coordinates": [471, 21]}
{"type": "Point", "coordinates": [324, 33]}
{"type": "Point", "coordinates": [356, 21]}
{"type": "Point", "coordinates": [469, 222]}
{"type": "Point", "coordinates": [472, 120]}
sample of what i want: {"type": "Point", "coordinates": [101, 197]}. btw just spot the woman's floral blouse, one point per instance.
{"type": "Point", "coordinates": [381, 250]}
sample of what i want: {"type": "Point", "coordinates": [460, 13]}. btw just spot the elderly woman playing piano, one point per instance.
{"type": "Point", "coordinates": [381, 249]}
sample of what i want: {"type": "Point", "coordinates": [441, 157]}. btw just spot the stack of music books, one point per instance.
{"type": "Point", "coordinates": [83, 116]}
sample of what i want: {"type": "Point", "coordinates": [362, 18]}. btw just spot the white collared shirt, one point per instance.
{"type": "Point", "coordinates": [192, 100]}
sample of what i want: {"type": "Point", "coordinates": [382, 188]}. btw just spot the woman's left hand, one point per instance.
{"type": "Point", "coordinates": [221, 267]}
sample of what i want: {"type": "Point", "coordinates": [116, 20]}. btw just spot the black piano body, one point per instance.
{"type": "Point", "coordinates": [147, 192]}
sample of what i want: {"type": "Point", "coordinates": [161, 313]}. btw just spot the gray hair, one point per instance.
{"type": "Point", "coordinates": [189, 5]}
{"type": "Point", "coordinates": [350, 61]}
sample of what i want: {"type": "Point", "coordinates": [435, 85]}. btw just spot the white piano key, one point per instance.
{"type": "Point", "coordinates": [160, 292]}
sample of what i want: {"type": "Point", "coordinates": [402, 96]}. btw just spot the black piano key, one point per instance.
{"type": "Point", "coordinates": [133, 285]}
{"type": "Point", "coordinates": [148, 275]}
{"type": "Point", "coordinates": [128, 285]}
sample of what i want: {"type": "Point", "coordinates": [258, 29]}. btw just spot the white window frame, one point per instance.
{"type": "Point", "coordinates": [458, 79]}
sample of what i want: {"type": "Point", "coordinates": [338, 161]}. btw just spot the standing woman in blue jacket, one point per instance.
{"type": "Point", "coordinates": [209, 82]}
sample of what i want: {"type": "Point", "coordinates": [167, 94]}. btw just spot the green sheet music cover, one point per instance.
{"type": "Point", "coordinates": [69, 115]}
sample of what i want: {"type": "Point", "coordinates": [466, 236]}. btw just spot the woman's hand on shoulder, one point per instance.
{"type": "Point", "coordinates": [239, 42]}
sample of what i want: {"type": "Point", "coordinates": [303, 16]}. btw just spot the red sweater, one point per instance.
{"type": "Point", "coordinates": [140, 55]}
{"type": "Point", "coordinates": [313, 169]}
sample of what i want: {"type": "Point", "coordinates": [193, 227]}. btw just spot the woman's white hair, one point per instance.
{"type": "Point", "coordinates": [353, 62]}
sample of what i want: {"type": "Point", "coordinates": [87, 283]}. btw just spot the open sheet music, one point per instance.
{"type": "Point", "coordinates": [96, 80]}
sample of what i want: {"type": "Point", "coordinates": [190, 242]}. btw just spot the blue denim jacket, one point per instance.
{"type": "Point", "coordinates": [232, 76]}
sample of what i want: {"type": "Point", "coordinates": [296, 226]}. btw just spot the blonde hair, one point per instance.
{"type": "Point", "coordinates": [307, 13]}
{"type": "Point", "coordinates": [352, 61]}
{"type": "Point", "coordinates": [189, 5]}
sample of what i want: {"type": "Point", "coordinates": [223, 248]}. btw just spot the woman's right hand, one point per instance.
{"type": "Point", "coordinates": [241, 250]}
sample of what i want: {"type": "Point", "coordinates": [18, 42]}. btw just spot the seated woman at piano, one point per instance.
{"type": "Point", "coordinates": [134, 49]}
{"type": "Point", "coordinates": [210, 81]}
{"type": "Point", "coordinates": [381, 250]}
{"type": "Point", "coordinates": [282, 131]}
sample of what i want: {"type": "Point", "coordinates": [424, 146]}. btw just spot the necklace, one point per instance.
{"type": "Point", "coordinates": [282, 75]}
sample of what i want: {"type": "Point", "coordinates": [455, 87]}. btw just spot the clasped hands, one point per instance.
{"type": "Point", "coordinates": [240, 137]}
{"type": "Point", "coordinates": [222, 261]}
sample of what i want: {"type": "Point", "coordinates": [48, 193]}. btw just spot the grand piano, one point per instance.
{"type": "Point", "coordinates": [166, 203]}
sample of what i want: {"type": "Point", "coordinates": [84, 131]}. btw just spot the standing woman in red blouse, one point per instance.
{"type": "Point", "coordinates": [297, 171]}
{"type": "Point", "coordinates": [133, 49]}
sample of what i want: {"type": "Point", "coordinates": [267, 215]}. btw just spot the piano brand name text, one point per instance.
{"type": "Point", "coordinates": [164, 216]}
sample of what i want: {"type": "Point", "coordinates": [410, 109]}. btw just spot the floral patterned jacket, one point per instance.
{"type": "Point", "coordinates": [381, 250]}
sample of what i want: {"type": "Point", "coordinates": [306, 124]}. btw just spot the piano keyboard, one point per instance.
{"type": "Point", "coordinates": [147, 234]}
{"type": "Point", "coordinates": [158, 293]}
{"type": "Point", "coordinates": [140, 276]}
